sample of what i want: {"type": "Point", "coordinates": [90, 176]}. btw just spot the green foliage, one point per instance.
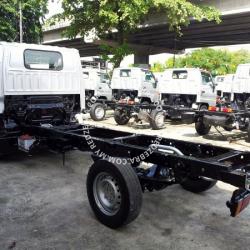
{"type": "Point", "coordinates": [33, 17]}
{"type": "Point", "coordinates": [218, 62]}
{"type": "Point", "coordinates": [7, 21]}
{"type": "Point", "coordinates": [103, 17]}
{"type": "Point", "coordinates": [158, 67]}
{"type": "Point", "coordinates": [115, 54]}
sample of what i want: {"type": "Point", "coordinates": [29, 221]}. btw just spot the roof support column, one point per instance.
{"type": "Point", "coordinates": [140, 58]}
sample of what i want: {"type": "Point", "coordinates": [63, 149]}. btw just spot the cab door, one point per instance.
{"type": "Point", "coordinates": [103, 86]}
{"type": "Point", "coordinates": [207, 90]}
{"type": "Point", "coordinates": [149, 87]}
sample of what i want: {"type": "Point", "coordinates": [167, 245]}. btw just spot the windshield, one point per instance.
{"type": "Point", "coordinates": [104, 77]}
{"type": "Point", "coordinates": [206, 78]}
{"type": "Point", "coordinates": [149, 77]}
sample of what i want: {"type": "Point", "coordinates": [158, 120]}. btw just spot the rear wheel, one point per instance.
{"type": "Point", "coordinates": [201, 128]}
{"type": "Point", "coordinates": [114, 193]}
{"type": "Point", "coordinates": [157, 119]}
{"type": "Point", "coordinates": [121, 116]}
{"type": "Point", "coordinates": [198, 184]}
{"type": "Point", "coordinates": [228, 129]}
{"type": "Point", "coordinates": [97, 112]}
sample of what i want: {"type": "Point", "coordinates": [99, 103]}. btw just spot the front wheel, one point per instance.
{"type": "Point", "coordinates": [157, 119]}
{"type": "Point", "coordinates": [203, 107]}
{"type": "Point", "coordinates": [201, 128]}
{"type": "Point", "coordinates": [198, 184]}
{"type": "Point", "coordinates": [97, 112]}
{"type": "Point", "coordinates": [114, 193]}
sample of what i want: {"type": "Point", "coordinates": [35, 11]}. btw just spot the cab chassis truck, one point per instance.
{"type": "Point", "coordinates": [129, 164]}
{"type": "Point", "coordinates": [115, 183]}
{"type": "Point", "coordinates": [181, 90]}
{"type": "Point", "coordinates": [224, 117]}
{"type": "Point", "coordinates": [153, 113]}
{"type": "Point", "coordinates": [233, 113]}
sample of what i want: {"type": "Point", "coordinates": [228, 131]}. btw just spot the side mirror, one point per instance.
{"type": "Point", "coordinates": [155, 83]}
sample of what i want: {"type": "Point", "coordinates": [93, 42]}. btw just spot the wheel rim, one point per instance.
{"type": "Point", "coordinates": [159, 120]}
{"type": "Point", "coordinates": [107, 193]}
{"type": "Point", "coordinates": [99, 112]}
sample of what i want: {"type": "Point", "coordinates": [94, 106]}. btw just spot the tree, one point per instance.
{"type": "Point", "coordinates": [218, 62]}
{"type": "Point", "coordinates": [7, 21]}
{"type": "Point", "coordinates": [103, 17]}
{"type": "Point", "coordinates": [158, 67]}
{"type": "Point", "coordinates": [33, 12]}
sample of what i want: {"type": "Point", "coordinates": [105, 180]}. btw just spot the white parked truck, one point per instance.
{"type": "Point", "coordinates": [134, 83]}
{"type": "Point", "coordinates": [224, 85]}
{"type": "Point", "coordinates": [97, 85]}
{"type": "Point", "coordinates": [187, 87]}
{"type": "Point", "coordinates": [241, 87]}
{"type": "Point", "coordinates": [234, 114]}
{"type": "Point", "coordinates": [39, 84]}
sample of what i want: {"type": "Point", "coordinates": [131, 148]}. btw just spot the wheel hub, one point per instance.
{"type": "Point", "coordinates": [107, 194]}
{"type": "Point", "coordinates": [159, 120]}
{"type": "Point", "coordinates": [99, 112]}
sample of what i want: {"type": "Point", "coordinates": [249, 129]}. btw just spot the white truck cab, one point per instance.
{"type": "Point", "coordinates": [224, 85]}
{"type": "Point", "coordinates": [241, 83]}
{"type": "Point", "coordinates": [97, 84]}
{"type": "Point", "coordinates": [134, 83]}
{"type": "Point", "coordinates": [39, 83]}
{"type": "Point", "coordinates": [187, 87]}
{"type": "Point", "coordinates": [241, 87]}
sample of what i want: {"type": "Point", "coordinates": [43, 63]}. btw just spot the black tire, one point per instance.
{"type": "Point", "coordinates": [128, 186]}
{"type": "Point", "coordinates": [156, 119]}
{"type": "Point", "coordinates": [228, 129]}
{"type": "Point", "coordinates": [201, 128]}
{"type": "Point", "coordinates": [95, 108]}
{"type": "Point", "coordinates": [203, 107]}
{"type": "Point", "coordinates": [121, 116]}
{"type": "Point", "coordinates": [198, 184]}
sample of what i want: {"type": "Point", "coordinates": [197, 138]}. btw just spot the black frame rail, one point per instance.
{"type": "Point", "coordinates": [224, 164]}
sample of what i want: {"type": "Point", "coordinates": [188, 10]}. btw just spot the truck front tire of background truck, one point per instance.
{"type": "Point", "coordinates": [157, 119]}
{"type": "Point", "coordinates": [121, 116]}
{"type": "Point", "coordinates": [203, 107]}
{"type": "Point", "coordinates": [97, 112]}
{"type": "Point", "coordinates": [114, 193]}
{"type": "Point", "coordinates": [201, 128]}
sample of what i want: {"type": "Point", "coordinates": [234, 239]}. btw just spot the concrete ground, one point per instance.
{"type": "Point", "coordinates": [43, 205]}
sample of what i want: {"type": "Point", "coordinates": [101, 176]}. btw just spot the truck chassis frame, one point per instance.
{"type": "Point", "coordinates": [115, 182]}
{"type": "Point", "coordinates": [237, 119]}
{"type": "Point", "coordinates": [156, 114]}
